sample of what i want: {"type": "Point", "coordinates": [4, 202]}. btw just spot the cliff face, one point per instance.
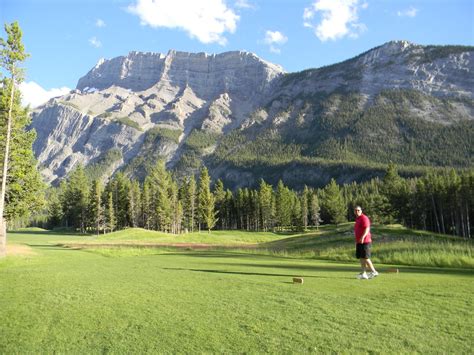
{"type": "Point", "coordinates": [442, 71]}
{"type": "Point", "coordinates": [240, 73]}
{"type": "Point", "coordinates": [224, 109]}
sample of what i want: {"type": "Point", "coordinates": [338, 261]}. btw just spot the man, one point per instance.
{"type": "Point", "coordinates": [363, 244]}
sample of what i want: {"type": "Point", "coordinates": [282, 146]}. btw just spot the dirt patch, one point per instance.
{"type": "Point", "coordinates": [19, 250]}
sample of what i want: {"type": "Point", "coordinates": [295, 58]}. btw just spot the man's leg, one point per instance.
{"type": "Point", "coordinates": [363, 264]}
{"type": "Point", "coordinates": [369, 265]}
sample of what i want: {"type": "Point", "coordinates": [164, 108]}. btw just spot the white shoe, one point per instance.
{"type": "Point", "coordinates": [362, 276]}
{"type": "Point", "coordinates": [373, 274]}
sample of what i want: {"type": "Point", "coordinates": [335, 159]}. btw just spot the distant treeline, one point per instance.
{"type": "Point", "coordinates": [438, 201]}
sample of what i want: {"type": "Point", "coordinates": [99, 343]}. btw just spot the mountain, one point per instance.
{"type": "Point", "coordinates": [247, 119]}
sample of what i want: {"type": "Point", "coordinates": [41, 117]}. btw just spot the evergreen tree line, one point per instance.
{"type": "Point", "coordinates": [439, 202]}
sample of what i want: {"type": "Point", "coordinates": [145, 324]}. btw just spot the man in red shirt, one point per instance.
{"type": "Point", "coordinates": [363, 241]}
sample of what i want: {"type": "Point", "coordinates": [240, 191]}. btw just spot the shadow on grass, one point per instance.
{"type": "Point", "coordinates": [50, 247]}
{"type": "Point", "coordinates": [330, 265]}
{"type": "Point", "coordinates": [250, 273]}
{"type": "Point", "coordinates": [355, 268]}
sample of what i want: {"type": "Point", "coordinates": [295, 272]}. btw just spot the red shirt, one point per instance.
{"type": "Point", "coordinates": [361, 223]}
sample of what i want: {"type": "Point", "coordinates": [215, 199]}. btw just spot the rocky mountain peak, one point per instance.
{"type": "Point", "coordinates": [139, 71]}
{"type": "Point", "coordinates": [181, 107]}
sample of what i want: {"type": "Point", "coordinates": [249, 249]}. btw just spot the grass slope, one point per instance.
{"type": "Point", "coordinates": [392, 244]}
{"type": "Point", "coordinates": [76, 301]}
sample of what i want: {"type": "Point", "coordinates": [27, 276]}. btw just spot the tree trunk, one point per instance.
{"type": "Point", "coordinates": [438, 229]}
{"type": "Point", "coordinates": [468, 225]}
{"type": "Point", "coordinates": [3, 238]}
{"type": "Point", "coordinates": [3, 226]}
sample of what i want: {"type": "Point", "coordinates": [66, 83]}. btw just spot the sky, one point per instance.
{"type": "Point", "coordinates": [66, 38]}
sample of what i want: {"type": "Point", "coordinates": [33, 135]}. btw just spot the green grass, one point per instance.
{"type": "Point", "coordinates": [392, 245]}
{"type": "Point", "coordinates": [214, 237]}
{"type": "Point", "coordinates": [162, 301]}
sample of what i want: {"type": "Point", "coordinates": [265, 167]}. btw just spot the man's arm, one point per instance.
{"type": "Point", "coordinates": [366, 231]}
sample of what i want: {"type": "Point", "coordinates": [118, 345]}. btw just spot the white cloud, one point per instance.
{"type": "Point", "coordinates": [99, 23]}
{"type": "Point", "coordinates": [205, 20]}
{"type": "Point", "coordinates": [94, 42]}
{"type": "Point", "coordinates": [34, 95]}
{"type": "Point", "coordinates": [410, 12]}
{"type": "Point", "coordinates": [244, 4]}
{"type": "Point", "coordinates": [339, 18]}
{"type": "Point", "coordinates": [275, 39]}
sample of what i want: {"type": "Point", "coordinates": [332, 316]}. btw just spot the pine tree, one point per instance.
{"type": "Point", "coordinates": [219, 194]}
{"type": "Point", "coordinates": [189, 206]}
{"type": "Point", "coordinates": [95, 208]}
{"type": "Point", "coordinates": [305, 207]}
{"type": "Point", "coordinates": [120, 188]}
{"type": "Point", "coordinates": [266, 207]}
{"type": "Point", "coordinates": [75, 199]}
{"type": "Point", "coordinates": [161, 180]}
{"type": "Point", "coordinates": [54, 207]}
{"type": "Point", "coordinates": [21, 187]}
{"type": "Point", "coordinates": [206, 201]}
{"type": "Point", "coordinates": [315, 210]}
{"type": "Point", "coordinates": [147, 204]}
{"type": "Point", "coordinates": [230, 210]}
{"type": "Point", "coordinates": [296, 212]}
{"type": "Point", "coordinates": [333, 205]}
{"type": "Point", "coordinates": [110, 213]}
{"type": "Point", "coordinates": [177, 208]}
{"type": "Point", "coordinates": [134, 204]}
{"type": "Point", "coordinates": [282, 205]}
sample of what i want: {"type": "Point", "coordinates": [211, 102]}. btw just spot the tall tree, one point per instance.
{"type": "Point", "coordinates": [75, 199]}
{"type": "Point", "coordinates": [164, 209]}
{"type": "Point", "coordinates": [189, 204]}
{"type": "Point", "coordinates": [315, 210]}
{"type": "Point", "coordinates": [54, 208]}
{"type": "Point", "coordinates": [13, 120]}
{"type": "Point", "coordinates": [305, 207]}
{"type": "Point", "coordinates": [134, 198]}
{"type": "Point", "coordinates": [206, 201]}
{"type": "Point", "coordinates": [283, 206]}
{"type": "Point", "coordinates": [219, 194]}
{"type": "Point", "coordinates": [333, 204]}
{"type": "Point", "coordinates": [95, 208]}
{"type": "Point", "coordinates": [266, 206]}
{"type": "Point", "coordinates": [110, 220]}
{"type": "Point", "coordinates": [147, 204]}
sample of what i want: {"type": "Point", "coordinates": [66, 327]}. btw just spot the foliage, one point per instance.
{"type": "Point", "coordinates": [439, 201]}
{"type": "Point", "coordinates": [159, 133]}
{"type": "Point", "coordinates": [98, 169]}
{"type": "Point", "coordinates": [105, 115]}
{"type": "Point", "coordinates": [199, 139]}
{"type": "Point", "coordinates": [128, 122]}
{"type": "Point", "coordinates": [22, 190]}
{"type": "Point", "coordinates": [206, 202]}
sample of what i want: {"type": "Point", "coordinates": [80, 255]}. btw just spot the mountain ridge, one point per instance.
{"type": "Point", "coordinates": [196, 108]}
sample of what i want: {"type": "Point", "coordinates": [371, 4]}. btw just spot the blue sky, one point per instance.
{"type": "Point", "coordinates": [66, 38]}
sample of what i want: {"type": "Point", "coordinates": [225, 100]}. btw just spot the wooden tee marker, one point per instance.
{"type": "Point", "coordinates": [393, 271]}
{"type": "Point", "coordinates": [298, 280]}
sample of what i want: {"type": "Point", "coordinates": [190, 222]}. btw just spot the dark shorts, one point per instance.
{"type": "Point", "coordinates": [363, 251]}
